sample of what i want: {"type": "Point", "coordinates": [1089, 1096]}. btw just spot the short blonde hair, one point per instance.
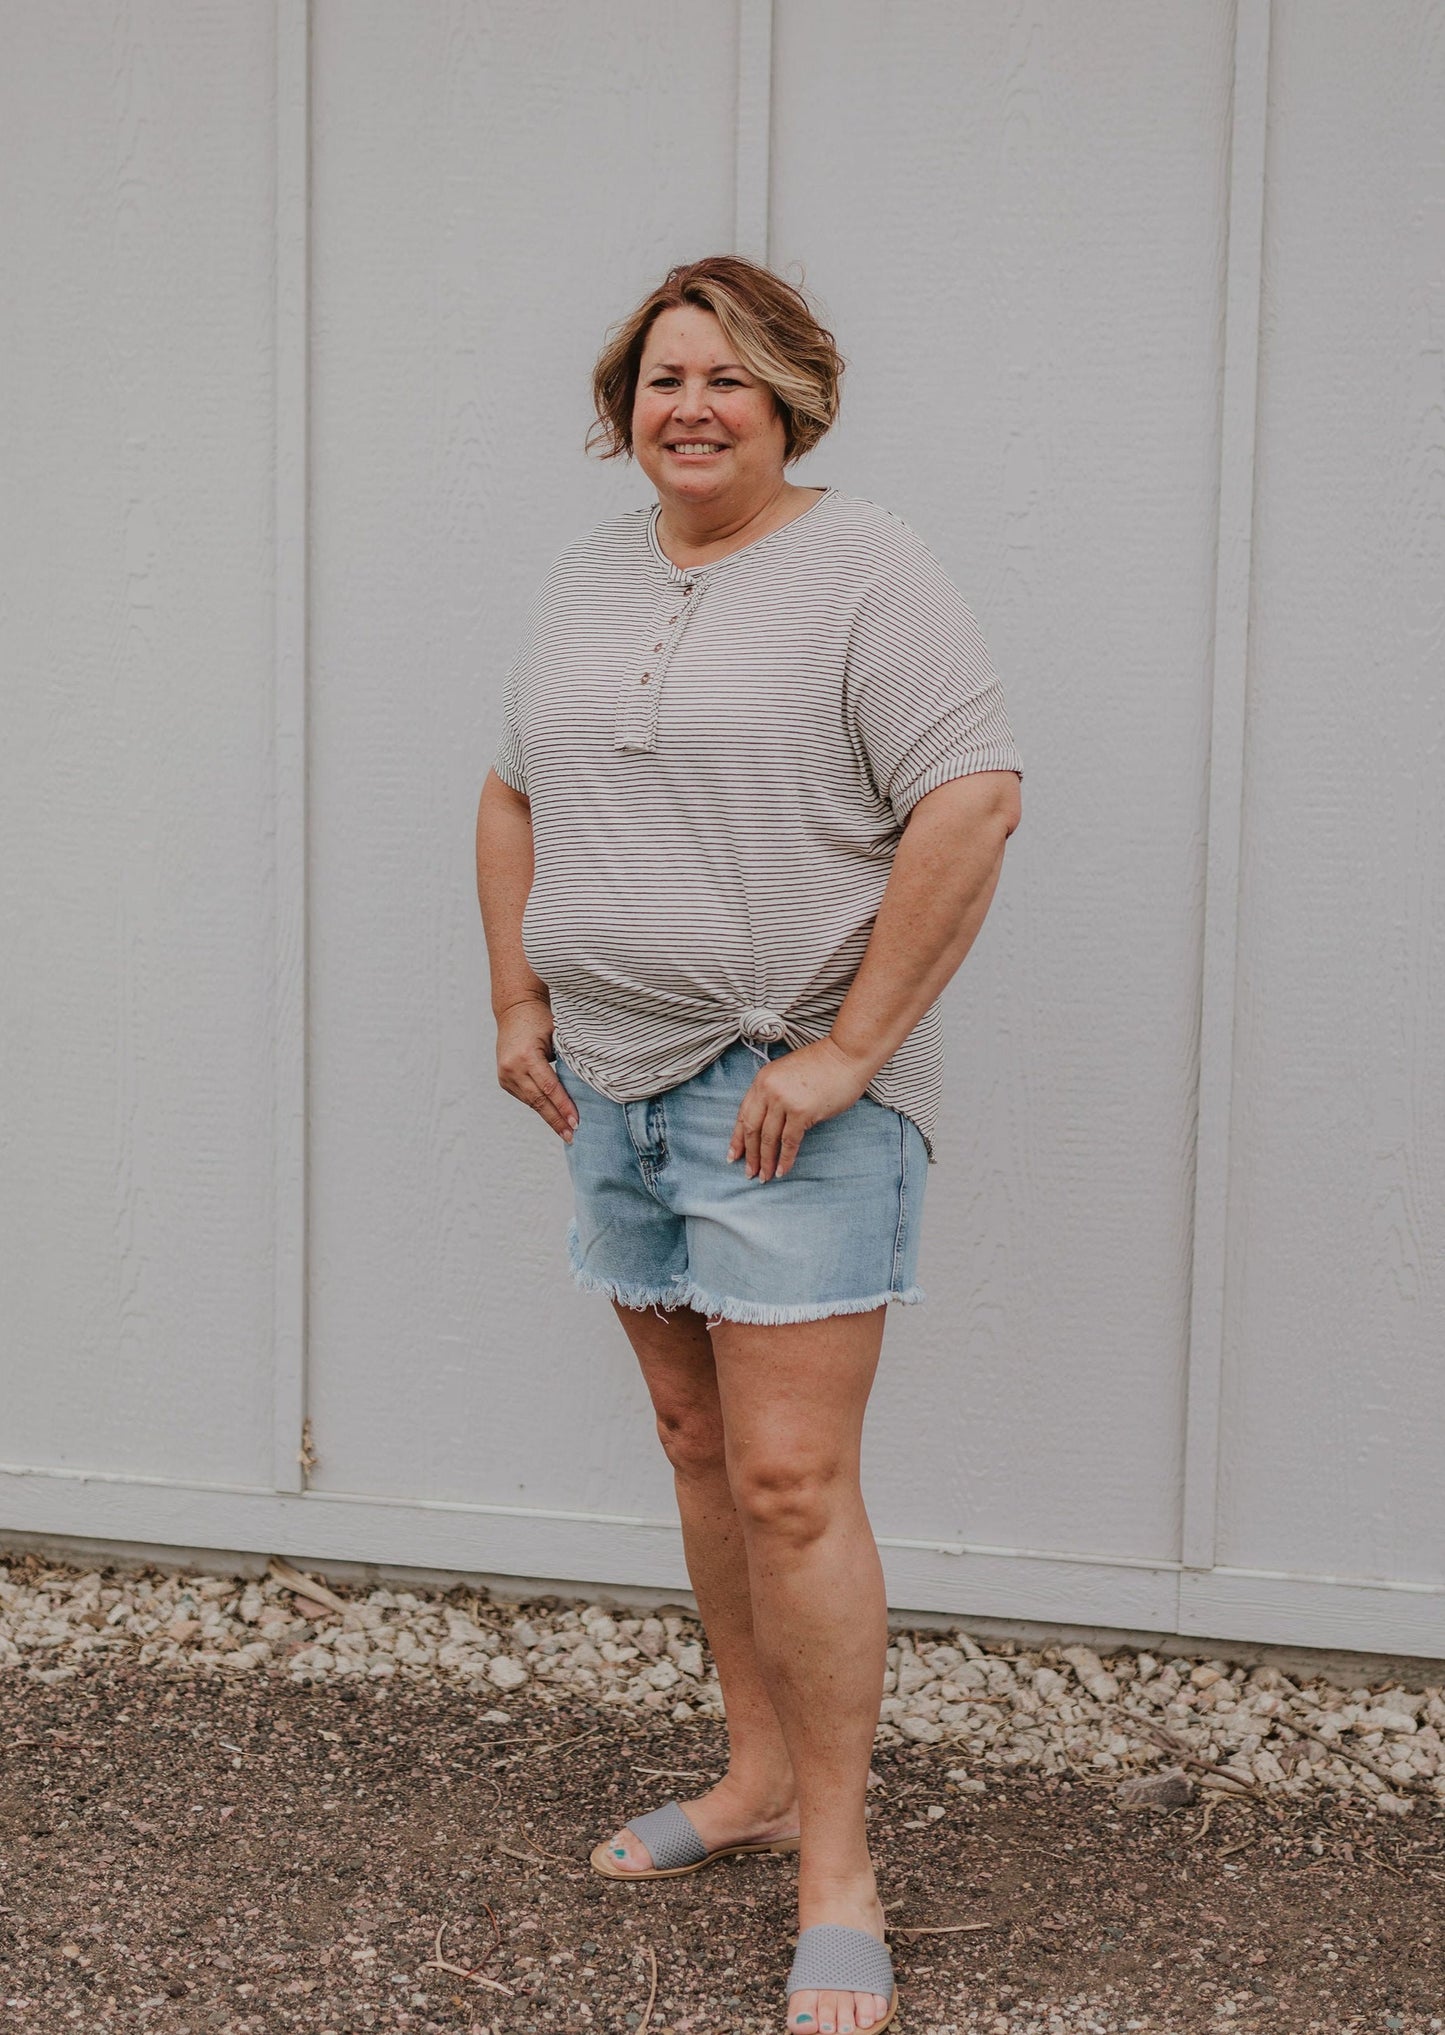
{"type": "Point", "coordinates": [768, 323]}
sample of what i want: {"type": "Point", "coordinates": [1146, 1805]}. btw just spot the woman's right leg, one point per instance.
{"type": "Point", "coordinates": [758, 1795]}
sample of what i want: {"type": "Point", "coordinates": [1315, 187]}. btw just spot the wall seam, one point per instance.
{"type": "Point", "coordinates": [290, 525]}
{"type": "Point", "coordinates": [753, 130]}
{"type": "Point", "coordinates": [1233, 579]}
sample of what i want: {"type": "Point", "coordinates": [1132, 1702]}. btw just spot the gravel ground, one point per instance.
{"type": "Point", "coordinates": [237, 1806]}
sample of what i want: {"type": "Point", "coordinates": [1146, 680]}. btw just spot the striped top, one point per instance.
{"type": "Point", "coordinates": [720, 760]}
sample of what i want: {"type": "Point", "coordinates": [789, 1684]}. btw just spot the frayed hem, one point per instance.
{"type": "Point", "coordinates": [640, 1297]}
{"type": "Point", "coordinates": [769, 1314]}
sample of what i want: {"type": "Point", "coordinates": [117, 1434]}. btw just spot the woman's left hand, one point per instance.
{"type": "Point", "coordinates": [786, 1098]}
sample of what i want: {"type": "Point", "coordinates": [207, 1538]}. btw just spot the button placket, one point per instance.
{"type": "Point", "coordinates": [636, 722]}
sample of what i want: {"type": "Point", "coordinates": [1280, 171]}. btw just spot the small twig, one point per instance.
{"type": "Point", "coordinates": [1384, 1862]}
{"type": "Point", "coordinates": [439, 1963]}
{"type": "Point", "coordinates": [556, 1856]}
{"type": "Point", "coordinates": [1089, 1780]}
{"type": "Point", "coordinates": [496, 1927]}
{"type": "Point", "coordinates": [560, 1744]}
{"type": "Point", "coordinates": [674, 1773]}
{"type": "Point", "coordinates": [302, 1586]}
{"type": "Point", "coordinates": [1204, 1826]}
{"type": "Point", "coordinates": [551, 1745]}
{"type": "Point", "coordinates": [1414, 1784]}
{"type": "Point", "coordinates": [652, 1995]}
{"type": "Point", "coordinates": [1243, 1845]}
{"type": "Point", "coordinates": [1163, 1736]}
{"type": "Point", "coordinates": [938, 1928]}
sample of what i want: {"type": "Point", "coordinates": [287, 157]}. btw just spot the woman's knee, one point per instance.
{"type": "Point", "coordinates": [788, 1500]}
{"type": "Point", "coordinates": [691, 1437]}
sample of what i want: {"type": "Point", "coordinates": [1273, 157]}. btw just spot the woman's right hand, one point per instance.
{"type": "Point", "coordinates": [524, 1064]}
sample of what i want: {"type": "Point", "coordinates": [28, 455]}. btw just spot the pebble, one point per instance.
{"type": "Point", "coordinates": [998, 1705]}
{"type": "Point", "coordinates": [1171, 1789]}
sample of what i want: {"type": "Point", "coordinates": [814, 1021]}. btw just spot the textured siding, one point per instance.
{"type": "Point", "coordinates": [1143, 314]}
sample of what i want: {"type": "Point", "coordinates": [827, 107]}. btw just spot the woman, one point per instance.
{"type": "Point", "coordinates": [745, 820]}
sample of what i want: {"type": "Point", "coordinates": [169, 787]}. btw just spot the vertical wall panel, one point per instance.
{"type": "Point", "coordinates": [1021, 246]}
{"type": "Point", "coordinates": [1334, 1411]}
{"type": "Point", "coordinates": [136, 240]}
{"type": "Point", "coordinates": [495, 184]}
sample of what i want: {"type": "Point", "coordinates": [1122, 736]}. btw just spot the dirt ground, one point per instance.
{"type": "Point", "coordinates": [195, 1854]}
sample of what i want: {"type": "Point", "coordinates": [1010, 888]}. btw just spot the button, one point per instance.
{"type": "Point", "coordinates": [672, 618]}
{"type": "Point", "coordinates": [657, 646]}
{"type": "Point", "coordinates": [644, 678]}
{"type": "Point", "coordinates": [760, 1023]}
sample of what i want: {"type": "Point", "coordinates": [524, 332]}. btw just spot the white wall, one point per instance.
{"type": "Point", "coordinates": [1142, 313]}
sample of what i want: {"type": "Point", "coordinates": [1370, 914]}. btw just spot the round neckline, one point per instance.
{"type": "Point", "coordinates": [693, 571]}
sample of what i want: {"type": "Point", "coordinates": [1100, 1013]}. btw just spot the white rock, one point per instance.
{"type": "Point", "coordinates": [1091, 1672]}
{"type": "Point", "coordinates": [1386, 1720]}
{"type": "Point", "coordinates": [1038, 1718]}
{"type": "Point", "coordinates": [506, 1672]}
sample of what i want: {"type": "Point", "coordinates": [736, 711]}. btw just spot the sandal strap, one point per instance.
{"type": "Point", "coordinates": [831, 1955]}
{"type": "Point", "coordinates": [670, 1837]}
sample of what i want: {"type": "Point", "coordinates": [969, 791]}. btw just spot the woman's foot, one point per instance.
{"type": "Point", "coordinates": [726, 1814]}
{"type": "Point", "coordinates": [838, 2013]}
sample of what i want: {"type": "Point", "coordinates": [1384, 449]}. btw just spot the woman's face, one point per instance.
{"type": "Point", "coordinates": [704, 430]}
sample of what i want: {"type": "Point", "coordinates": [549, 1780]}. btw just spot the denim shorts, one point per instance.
{"type": "Point", "coordinates": [663, 1219]}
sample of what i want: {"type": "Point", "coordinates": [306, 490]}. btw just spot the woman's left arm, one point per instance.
{"type": "Point", "coordinates": [944, 874]}
{"type": "Point", "coordinates": [945, 870]}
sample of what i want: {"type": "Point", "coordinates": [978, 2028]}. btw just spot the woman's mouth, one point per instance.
{"type": "Point", "coordinates": [695, 448]}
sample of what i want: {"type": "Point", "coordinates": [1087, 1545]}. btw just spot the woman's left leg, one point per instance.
{"type": "Point", "coordinates": [793, 1397]}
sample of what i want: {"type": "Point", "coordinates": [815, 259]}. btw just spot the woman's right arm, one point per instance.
{"type": "Point", "coordinates": [521, 1004]}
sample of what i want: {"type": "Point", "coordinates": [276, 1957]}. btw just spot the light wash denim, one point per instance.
{"type": "Point", "coordinates": [663, 1219]}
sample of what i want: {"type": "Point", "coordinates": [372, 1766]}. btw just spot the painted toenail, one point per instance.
{"type": "Point", "coordinates": [619, 1851]}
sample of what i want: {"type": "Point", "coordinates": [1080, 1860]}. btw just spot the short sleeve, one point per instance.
{"type": "Point", "coordinates": [924, 703]}
{"type": "Point", "coordinates": [507, 761]}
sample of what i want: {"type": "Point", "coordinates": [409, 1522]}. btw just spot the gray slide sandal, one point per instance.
{"type": "Point", "coordinates": [674, 1846]}
{"type": "Point", "coordinates": [830, 1955]}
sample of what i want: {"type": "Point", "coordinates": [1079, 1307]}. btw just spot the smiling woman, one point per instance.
{"type": "Point", "coordinates": [744, 822]}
